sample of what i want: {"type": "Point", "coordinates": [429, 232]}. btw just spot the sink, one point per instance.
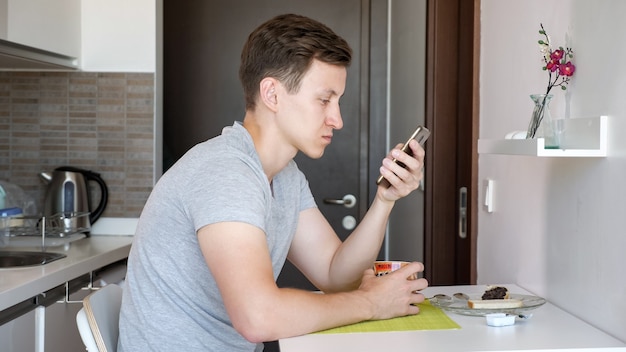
{"type": "Point", "coordinates": [11, 259]}
{"type": "Point", "coordinates": [18, 242]}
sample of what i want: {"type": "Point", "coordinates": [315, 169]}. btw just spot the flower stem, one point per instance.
{"type": "Point", "coordinates": [537, 117]}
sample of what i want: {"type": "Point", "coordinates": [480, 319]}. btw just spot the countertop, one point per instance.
{"type": "Point", "coordinates": [105, 246]}
{"type": "Point", "coordinates": [550, 328]}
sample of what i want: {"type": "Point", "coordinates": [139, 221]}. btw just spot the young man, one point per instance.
{"type": "Point", "coordinates": [221, 222]}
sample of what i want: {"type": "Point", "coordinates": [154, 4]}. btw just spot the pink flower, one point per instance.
{"type": "Point", "coordinates": [567, 69]}
{"type": "Point", "coordinates": [557, 55]}
{"type": "Point", "coordinates": [559, 71]}
{"type": "Point", "coordinates": [552, 65]}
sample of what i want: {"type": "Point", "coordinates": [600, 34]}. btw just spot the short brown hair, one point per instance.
{"type": "Point", "coordinates": [284, 48]}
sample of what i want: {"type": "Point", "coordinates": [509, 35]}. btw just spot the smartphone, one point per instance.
{"type": "Point", "coordinates": [421, 134]}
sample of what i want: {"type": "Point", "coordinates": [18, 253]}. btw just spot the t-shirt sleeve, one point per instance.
{"type": "Point", "coordinates": [232, 193]}
{"type": "Point", "coordinates": [306, 197]}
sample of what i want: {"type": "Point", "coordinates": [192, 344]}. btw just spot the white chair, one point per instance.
{"type": "Point", "coordinates": [98, 319]}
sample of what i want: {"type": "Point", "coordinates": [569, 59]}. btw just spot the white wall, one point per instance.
{"type": "Point", "coordinates": [559, 226]}
{"type": "Point", "coordinates": [118, 35]}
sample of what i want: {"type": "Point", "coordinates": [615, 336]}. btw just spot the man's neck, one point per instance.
{"type": "Point", "coordinates": [272, 149]}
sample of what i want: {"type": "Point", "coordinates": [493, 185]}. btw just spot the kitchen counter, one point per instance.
{"type": "Point", "coordinates": [83, 256]}
{"type": "Point", "coordinates": [550, 328]}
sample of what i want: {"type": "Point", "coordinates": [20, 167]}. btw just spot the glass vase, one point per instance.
{"type": "Point", "coordinates": [541, 123]}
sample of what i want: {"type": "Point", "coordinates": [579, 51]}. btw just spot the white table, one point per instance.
{"type": "Point", "coordinates": [550, 328]}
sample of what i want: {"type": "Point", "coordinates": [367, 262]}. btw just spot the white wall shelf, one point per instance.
{"type": "Point", "coordinates": [581, 137]}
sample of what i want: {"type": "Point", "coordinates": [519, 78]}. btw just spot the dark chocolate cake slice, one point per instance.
{"type": "Point", "coordinates": [496, 292]}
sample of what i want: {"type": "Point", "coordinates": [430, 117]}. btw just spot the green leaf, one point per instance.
{"type": "Point", "coordinates": [563, 87]}
{"type": "Point", "coordinates": [541, 42]}
{"type": "Point", "coordinates": [541, 31]}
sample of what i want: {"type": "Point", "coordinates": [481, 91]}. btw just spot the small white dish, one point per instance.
{"type": "Point", "coordinates": [500, 319]}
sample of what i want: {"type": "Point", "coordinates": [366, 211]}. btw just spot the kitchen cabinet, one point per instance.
{"type": "Point", "coordinates": [95, 36]}
{"type": "Point", "coordinates": [55, 324]}
{"type": "Point", "coordinates": [118, 36]}
{"type": "Point", "coordinates": [17, 335]}
{"type": "Point", "coordinates": [53, 26]}
{"type": "Point", "coordinates": [581, 137]}
{"type": "Point", "coordinates": [59, 331]}
{"type": "Point", "coordinates": [34, 312]}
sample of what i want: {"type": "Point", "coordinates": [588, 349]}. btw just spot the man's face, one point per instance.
{"type": "Point", "coordinates": [307, 118]}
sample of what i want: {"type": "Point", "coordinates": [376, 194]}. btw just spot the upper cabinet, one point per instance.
{"type": "Point", "coordinates": [40, 34]}
{"type": "Point", "coordinates": [118, 35]}
{"type": "Point", "coordinates": [581, 137]}
{"type": "Point", "coordinates": [48, 25]}
{"type": "Point", "coordinates": [90, 35]}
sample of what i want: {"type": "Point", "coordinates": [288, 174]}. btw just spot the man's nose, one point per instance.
{"type": "Point", "coordinates": [334, 118]}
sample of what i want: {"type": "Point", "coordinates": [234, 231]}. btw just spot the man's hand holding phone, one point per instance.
{"type": "Point", "coordinates": [398, 166]}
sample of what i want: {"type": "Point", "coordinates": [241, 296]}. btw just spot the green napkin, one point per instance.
{"type": "Point", "coordinates": [429, 318]}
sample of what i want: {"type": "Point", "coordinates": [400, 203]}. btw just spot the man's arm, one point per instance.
{"type": "Point", "coordinates": [335, 266]}
{"type": "Point", "coordinates": [238, 258]}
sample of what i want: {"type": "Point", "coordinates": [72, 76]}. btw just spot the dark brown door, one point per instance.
{"type": "Point", "coordinates": [452, 114]}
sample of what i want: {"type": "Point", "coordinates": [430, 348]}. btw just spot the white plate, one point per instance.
{"type": "Point", "coordinates": [459, 306]}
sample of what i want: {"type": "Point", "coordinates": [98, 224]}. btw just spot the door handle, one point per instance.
{"type": "Point", "coordinates": [347, 201]}
{"type": "Point", "coordinates": [463, 212]}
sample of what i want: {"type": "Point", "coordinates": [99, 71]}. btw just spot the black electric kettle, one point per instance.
{"type": "Point", "coordinates": [68, 196]}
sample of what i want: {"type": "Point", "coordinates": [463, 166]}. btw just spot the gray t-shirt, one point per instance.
{"type": "Point", "coordinates": [171, 301]}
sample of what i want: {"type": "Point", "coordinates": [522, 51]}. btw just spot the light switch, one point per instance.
{"type": "Point", "coordinates": [488, 185]}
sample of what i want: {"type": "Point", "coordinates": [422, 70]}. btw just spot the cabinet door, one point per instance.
{"type": "Point", "coordinates": [61, 330]}
{"type": "Point", "coordinates": [49, 25]}
{"type": "Point", "coordinates": [19, 334]}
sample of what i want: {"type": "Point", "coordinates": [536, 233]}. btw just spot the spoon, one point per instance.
{"type": "Point", "coordinates": [458, 295]}
{"type": "Point", "coordinates": [440, 297]}
{"type": "Point", "coordinates": [461, 296]}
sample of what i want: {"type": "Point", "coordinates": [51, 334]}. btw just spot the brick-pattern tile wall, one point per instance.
{"type": "Point", "coordinates": [97, 121]}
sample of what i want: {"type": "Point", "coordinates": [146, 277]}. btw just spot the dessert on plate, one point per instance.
{"type": "Point", "coordinates": [495, 297]}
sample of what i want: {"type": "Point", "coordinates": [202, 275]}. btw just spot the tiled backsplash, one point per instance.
{"type": "Point", "coordinates": [97, 121]}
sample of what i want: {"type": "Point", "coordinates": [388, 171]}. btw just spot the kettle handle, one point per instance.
{"type": "Point", "coordinates": [104, 191]}
{"type": "Point", "coordinates": [104, 194]}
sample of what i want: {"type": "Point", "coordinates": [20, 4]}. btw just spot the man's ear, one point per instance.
{"type": "Point", "coordinates": [267, 93]}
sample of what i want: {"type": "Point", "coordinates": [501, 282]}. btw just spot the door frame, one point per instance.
{"type": "Point", "coordinates": [452, 113]}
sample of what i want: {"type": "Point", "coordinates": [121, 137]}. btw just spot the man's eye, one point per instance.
{"type": "Point", "coordinates": [325, 101]}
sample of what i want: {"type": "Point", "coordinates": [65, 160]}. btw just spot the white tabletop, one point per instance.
{"type": "Point", "coordinates": [549, 328]}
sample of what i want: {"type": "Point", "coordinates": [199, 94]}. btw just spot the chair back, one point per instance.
{"type": "Point", "coordinates": [99, 318]}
